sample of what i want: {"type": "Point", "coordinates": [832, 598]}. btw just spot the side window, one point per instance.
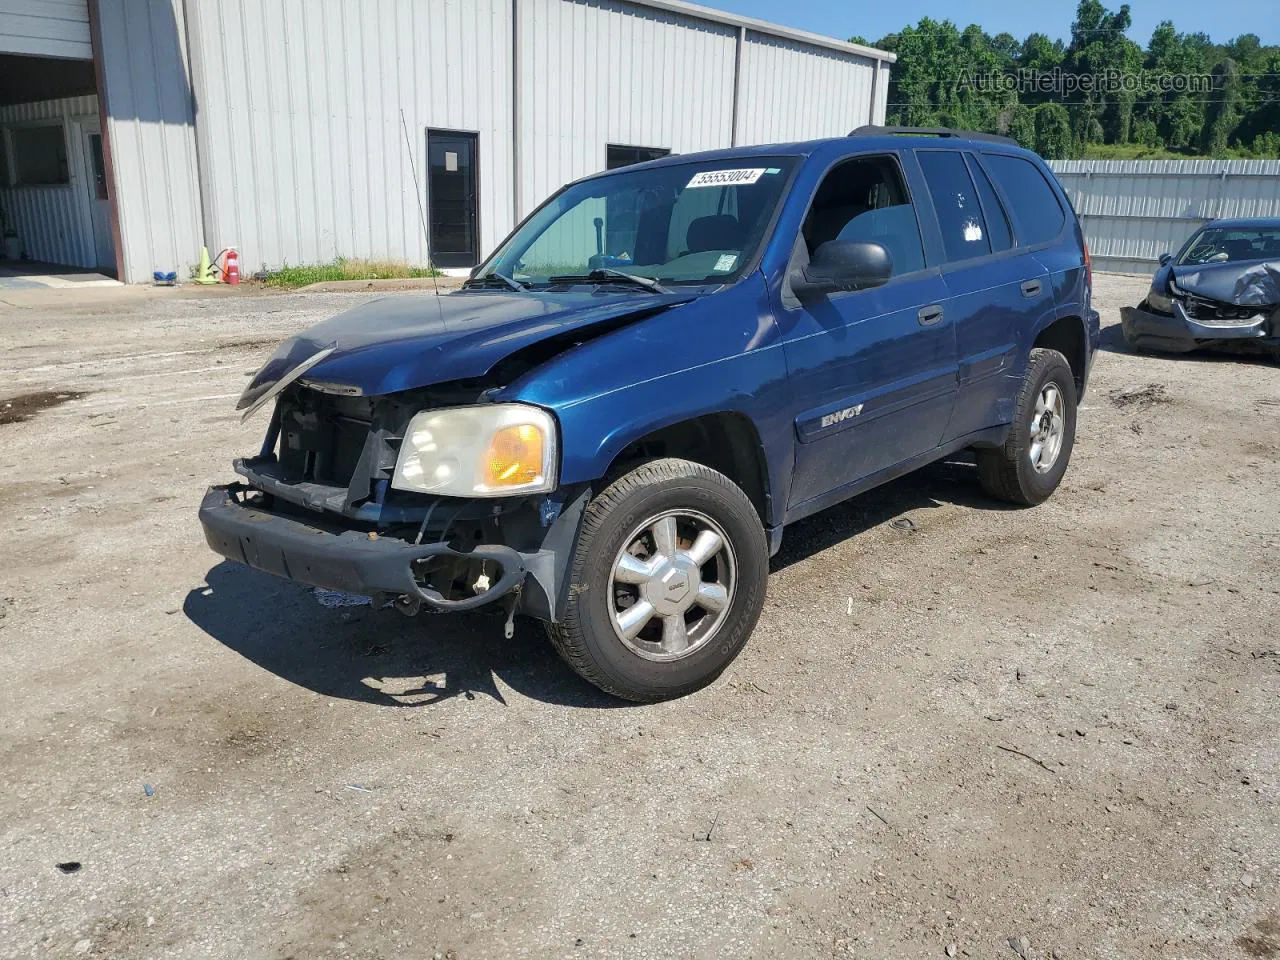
{"type": "Point", "coordinates": [997, 220]}
{"type": "Point", "coordinates": [866, 199]}
{"type": "Point", "coordinates": [955, 200]}
{"type": "Point", "coordinates": [1036, 211]}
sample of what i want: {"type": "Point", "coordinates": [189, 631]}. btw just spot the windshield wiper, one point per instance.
{"type": "Point", "coordinates": [609, 275]}
{"type": "Point", "coordinates": [506, 281]}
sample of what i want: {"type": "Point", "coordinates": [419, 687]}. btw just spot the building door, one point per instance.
{"type": "Point", "coordinates": [95, 180]}
{"type": "Point", "coordinates": [452, 198]}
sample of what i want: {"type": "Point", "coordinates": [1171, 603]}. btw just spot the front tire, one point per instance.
{"type": "Point", "coordinates": [667, 581]}
{"type": "Point", "coordinates": [1028, 467]}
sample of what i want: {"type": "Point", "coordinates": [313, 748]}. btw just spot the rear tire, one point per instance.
{"type": "Point", "coordinates": [680, 547]}
{"type": "Point", "coordinates": [1028, 467]}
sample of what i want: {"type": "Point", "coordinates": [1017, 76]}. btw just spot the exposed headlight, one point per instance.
{"type": "Point", "coordinates": [492, 450]}
{"type": "Point", "coordinates": [1158, 301]}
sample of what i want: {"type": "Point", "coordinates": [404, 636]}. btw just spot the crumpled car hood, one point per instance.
{"type": "Point", "coordinates": [414, 340]}
{"type": "Point", "coordinates": [1248, 284]}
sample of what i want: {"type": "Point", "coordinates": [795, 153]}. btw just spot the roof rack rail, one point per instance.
{"type": "Point", "coordinates": [871, 130]}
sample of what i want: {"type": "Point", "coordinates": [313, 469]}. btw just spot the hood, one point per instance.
{"type": "Point", "coordinates": [1246, 284]}
{"type": "Point", "coordinates": [415, 340]}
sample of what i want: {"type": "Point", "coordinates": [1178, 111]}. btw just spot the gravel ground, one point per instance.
{"type": "Point", "coordinates": [1045, 732]}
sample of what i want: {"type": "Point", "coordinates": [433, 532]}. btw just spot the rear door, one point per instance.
{"type": "Point", "coordinates": [995, 289]}
{"type": "Point", "coordinates": [873, 371]}
{"type": "Point", "coordinates": [1044, 227]}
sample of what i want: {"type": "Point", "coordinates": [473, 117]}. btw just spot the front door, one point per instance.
{"type": "Point", "coordinates": [873, 371]}
{"type": "Point", "coordinates": [95, 180]}
{"type": "Point", "coordinates": [452, 198]}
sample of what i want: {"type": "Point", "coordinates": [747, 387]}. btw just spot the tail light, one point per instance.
{"type": "Point", "coordinates": [1088, 268]}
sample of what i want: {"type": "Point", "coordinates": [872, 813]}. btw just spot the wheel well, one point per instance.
{"type": "Point", "coordinates": [725, 442]}
{"type": "Point", "coordinates": [1066, 335]}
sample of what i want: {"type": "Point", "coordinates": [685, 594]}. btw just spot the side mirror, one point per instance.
{"type": "Point", "coordinates": [1165, 258]}
{"type": "Point", "coordinates": [843, 265]}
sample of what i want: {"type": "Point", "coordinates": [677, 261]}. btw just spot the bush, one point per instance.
{"type": "Point", "coordinates": [344, 269]}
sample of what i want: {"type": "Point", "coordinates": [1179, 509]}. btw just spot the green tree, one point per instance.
{"type": "Point", "coordinates": [1053, 131]}
{"type": "Point", "coordinates": [1223, 114]}
{"type": "Point", "coordinates": [933, 83]}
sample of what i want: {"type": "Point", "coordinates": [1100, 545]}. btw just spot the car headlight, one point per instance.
{"type": "Point", "coordinates": [1158, 301]}
{"type": "Point", "coordinates": [492, 450]}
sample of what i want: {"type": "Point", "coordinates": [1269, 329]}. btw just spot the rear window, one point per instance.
{"type": "Point", "coordinates": [955, 200]}
{"type": "Point", "coordinates": [997, 222]}
{"type": "Point", "coordinates": [1036, 210]}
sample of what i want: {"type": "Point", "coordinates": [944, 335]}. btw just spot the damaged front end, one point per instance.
{"type": "Point", "coordinates": [1209, 307]}
{"type": "Point", "coordinates": [317, 505]}
{"type": "Point", "coordinates": [329, 501]}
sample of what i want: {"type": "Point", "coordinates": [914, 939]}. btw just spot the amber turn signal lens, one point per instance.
{"type": "Point", "coordinates": [515, 456]}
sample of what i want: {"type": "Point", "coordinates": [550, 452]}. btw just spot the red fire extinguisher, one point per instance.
{"type": "Point", "coordinates": [231, 267]}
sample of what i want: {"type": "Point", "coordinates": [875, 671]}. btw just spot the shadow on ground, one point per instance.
{"type": "Point", "coordinates": [380, 657]}
{"type": "Point", "coordinates": [950, 481]}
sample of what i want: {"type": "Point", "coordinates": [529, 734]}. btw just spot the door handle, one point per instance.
{"type": "Point", "coordinates": [928, 316]}
{"type": "Point", "coordinates": [1030, 288]}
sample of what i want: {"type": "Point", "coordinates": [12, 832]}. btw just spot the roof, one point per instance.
{"type": "Point", "coordinates": [764, 27]}
{"type": "Point", "coordinates": [862, 144]}
{"type": "Point", "coordinates": [1272, 223]}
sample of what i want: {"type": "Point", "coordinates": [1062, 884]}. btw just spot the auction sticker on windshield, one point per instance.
{"type": "Point", "coordinates": [725, 178]}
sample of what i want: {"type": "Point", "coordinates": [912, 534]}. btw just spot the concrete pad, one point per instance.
{"type": "Point", "coordinates": [29, 274]}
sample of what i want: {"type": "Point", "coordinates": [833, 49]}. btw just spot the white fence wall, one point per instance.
{"type": "Point", "coordinates": [53, 221]}
{"type": "Point", "coordinates": [1134, 210]}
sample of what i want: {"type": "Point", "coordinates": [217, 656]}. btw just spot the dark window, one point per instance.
{"type": "Point", "coordinates": [997, 220]}
{"type": "Point", "coordinates": [39, 154]}
{"type": "Point", "coordinates": [867, 200]}
{"type": "Point", "coordinates": [1036, 211]}
{"type": "Point", "coordinates": [99, 168]}
{"type": "Point", "coordinates": [619, 156]}
{"type": "Point", "coordinates": [955, 200]}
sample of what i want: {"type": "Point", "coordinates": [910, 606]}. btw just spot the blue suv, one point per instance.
{"type": "Point", "coordinates": [611, 425]}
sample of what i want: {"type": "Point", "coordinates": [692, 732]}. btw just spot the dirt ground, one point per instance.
{"type": "Point", "coordinates": [1046, 732]}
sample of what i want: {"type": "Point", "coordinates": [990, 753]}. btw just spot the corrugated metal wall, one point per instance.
{"type": "Point", "coordinates": [1135, 210]}
{"type": "Point", "coordinates": [303, 150]}
{"type": "Point", "coordinates": [295, 107]}
{"type": "Point", "coordinates": [795, 91]}
{"type": "Point", "coordinates": [53, 222]}
{"type": "Point", "coordinates": [151, 131]}
{"type": "Point", "coordinates": [601, 72]}
{"type": "Point", "coordinates": [45, 28]}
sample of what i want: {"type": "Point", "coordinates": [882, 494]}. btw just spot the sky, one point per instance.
{"type": "Point", "coordinates": [1221, 19]}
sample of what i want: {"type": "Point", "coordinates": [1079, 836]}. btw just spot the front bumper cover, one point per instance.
{"type": "Point", "coordinates": [1180, 329]}
{"type": "Point", "coordinates": [352, 561]}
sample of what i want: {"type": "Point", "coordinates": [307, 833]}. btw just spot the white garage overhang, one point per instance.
{"type": "Point", "coordinates": [46, 28]}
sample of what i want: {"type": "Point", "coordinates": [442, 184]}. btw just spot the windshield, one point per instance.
{"type": "Point", "coordinates": [698, 222]}
{"type": "Point", "coordinates": [1222, 245]}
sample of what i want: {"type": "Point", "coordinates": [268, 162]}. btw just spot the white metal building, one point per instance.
{"type": "Point", "coordinates": [132, 132]}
